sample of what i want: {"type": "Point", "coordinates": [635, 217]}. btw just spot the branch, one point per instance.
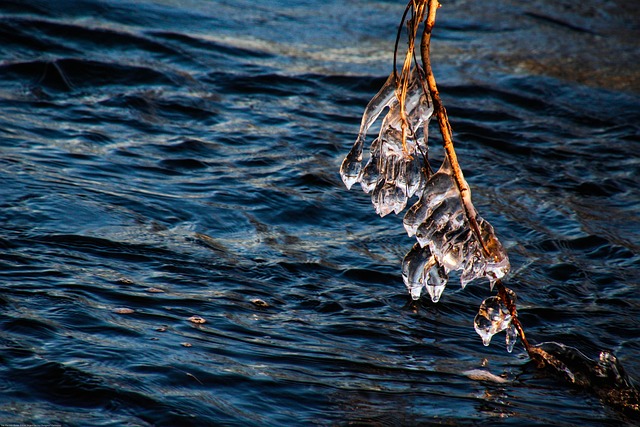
{"type": "Point", "coordinates": [445, 128]}
{"type": "Point", "coordinates": [447, 141]}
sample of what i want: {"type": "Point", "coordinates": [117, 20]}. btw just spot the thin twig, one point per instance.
{"type": "Point", "coordinates": [417, 16]}
{"type": "Point", "coordinates": [445, 127]}
{"type": "Point", "coordinates": [447, 141]}
{"type": "Point", "coordinates": [505, 296]}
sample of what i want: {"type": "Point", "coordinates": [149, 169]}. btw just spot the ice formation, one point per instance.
{"type": "Point", "coordinates": [395, 170]}
{"type": "Point", "coordinates": [439, 222]}
{"type": "Point", "coordinates": [398, 169]}
{"type": "Point", "coordinates": [494, 316]}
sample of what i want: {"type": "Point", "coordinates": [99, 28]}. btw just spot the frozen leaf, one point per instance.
{"type": "Point", "coordinates": [197, 320]}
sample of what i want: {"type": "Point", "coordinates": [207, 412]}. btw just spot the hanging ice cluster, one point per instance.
{"type": "Point", "coordinates": [395, 169]}
{"type": "Point", "coordinates": [446, 240]}
{"type": "Point", "coordinates": [398, 169]}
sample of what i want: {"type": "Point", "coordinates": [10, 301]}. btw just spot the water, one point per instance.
{"type": "Point", "coordinates": [164, 160]}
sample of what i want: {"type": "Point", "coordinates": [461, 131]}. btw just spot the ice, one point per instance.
{"type": "Point", "coordinates": [388, 198]}
{"type": "Point", "coordinates": [493, 317]}
{"type": "Point", "coordinates": [437, 189]}
{"type": "Point", "coordinates": [413, 267]}
{"type": "Point", "coordinates": [438, 220]}
{"type": "Point", "coordinates": [352, 165]}
{"type": "Point", "coordinates": [512, 337]}
{"type": "Point", "coordinates": [397, 164]}
{"type": "Point", "coordinates": [436, 282]}
{"type": "Point", "coordinates": [398, 169]}
{"type": "Point", "coordinates": [413, 176]}
{"type": "Point", "coordinates": [420, 270]}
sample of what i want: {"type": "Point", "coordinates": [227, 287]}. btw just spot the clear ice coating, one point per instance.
{"type": "Point", "coordinates": [420, 269]}
{"type": "Point", "coordinates": [396, 168]}
{"type": "Point", "coordinates": [439, 222]}
{"type": "Point", "coordinates": [493, 317]}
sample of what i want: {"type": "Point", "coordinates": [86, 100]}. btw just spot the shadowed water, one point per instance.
{"type": "Point", "coordinates": [164, 159]}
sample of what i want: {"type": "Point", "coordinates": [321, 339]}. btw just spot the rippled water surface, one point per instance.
{"type": "Point", "coordinates": [166, 159]}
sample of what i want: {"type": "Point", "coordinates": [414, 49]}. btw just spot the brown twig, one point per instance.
{"type": "Point", "coordinates": [447, 140]}
{"type": "Point", "coordinates": [417, 16]}
{"type": "Point", "coordinates": [445, 128]}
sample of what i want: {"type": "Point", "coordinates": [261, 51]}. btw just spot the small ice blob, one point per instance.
{"type": "Point", "coordinates": [435, 291]}
{"type": "Point", "coordinates": [493, 317]}
{"type": "Point", "coordinates": [351, 168]}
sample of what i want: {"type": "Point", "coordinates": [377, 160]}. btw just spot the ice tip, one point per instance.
{"type": "Point", "coordinates": [350, 171]}
{"type": "Point", "coordinates": [349, 177]}
{"type": "Point", "coordinates": [435, 292]}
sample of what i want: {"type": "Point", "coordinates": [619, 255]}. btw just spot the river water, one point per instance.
{"type": "Point", "coordinates": [166, 159]}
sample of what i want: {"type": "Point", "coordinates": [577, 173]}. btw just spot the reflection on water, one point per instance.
{"type": "Point", "coordinates": [164, 160]}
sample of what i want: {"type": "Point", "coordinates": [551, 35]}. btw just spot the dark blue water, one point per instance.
{"type": "Point", "coordinates": [167, 159]}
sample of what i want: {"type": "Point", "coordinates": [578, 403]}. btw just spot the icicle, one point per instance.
{"type": "Point", "coordinates": [413, 266]}
{"type": "Point", "coordinates": [512, 337]}
{"type": "Point", "coordinates": [351, 165]}
{"type": "Point", "coordinates": [351, 168]}
{"type": "Point", "coordinates": [420, 269]}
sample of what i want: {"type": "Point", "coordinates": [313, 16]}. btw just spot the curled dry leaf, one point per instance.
{"type": "Point", "coordinates": [123, 310]}
{"type": "Point", "coordinates": [197, 320]}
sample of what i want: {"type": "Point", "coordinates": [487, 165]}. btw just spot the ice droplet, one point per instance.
{"type": "Point", "coordinates": [413, 266]}
{"type": "Point", "coordinates": [415, 291]}
{"type": "Point", "coordinates": [351, 167]}
{"type": "Point", "coordinates": [492, 317]}
{"type": "Point", "coordinates": [435, 292]}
